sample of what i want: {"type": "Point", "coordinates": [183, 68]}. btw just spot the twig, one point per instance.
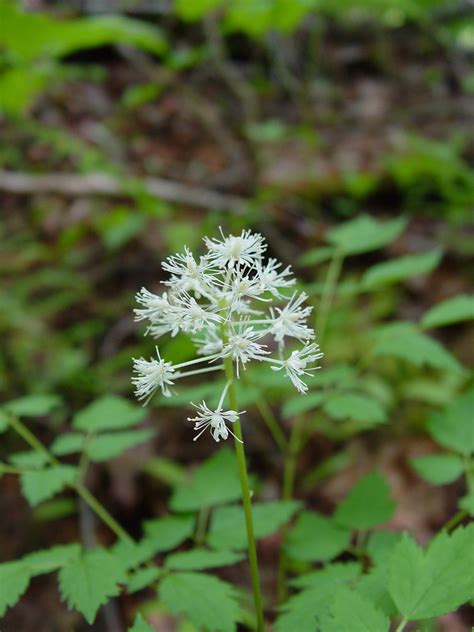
{"type": "Point", "coordinates": [103, 184]}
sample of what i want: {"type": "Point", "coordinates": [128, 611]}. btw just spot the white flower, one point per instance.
{"type": "Point", "coordinates": [242, 347]}
{"type": "Point", "coordinates": [216, 420]}
{"type": "Point", "coordinates": [271, 280]}
{"type": "Point", "coordinates": [187, 274]}
{"type": "Point", "coordinates": [297, 365]}
{"type": "Point", "coordinates": [193, 317]}
{"type": "Point", "coordinates": [151, 375]}
{"type": "Point", "coordinates": [211, 343]}
{"type": "Point", "coordinates": [245, 249]}
{"type": "Point", "coordinates": [291, 320]}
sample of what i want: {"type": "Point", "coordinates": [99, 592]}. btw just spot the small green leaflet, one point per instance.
{"type": "Point", "coordinates": [374, 586]}
{"type": "Point", "coordinates": [454, 427]}
{"type": "Point", "coordinates": [165, 470]}
{"type": "Point", "coordinates": [107, 413]}
{"type": "Point", "coordinates": [300, 611]}
{"type": "Point", "coordinates": [315, 256]}
{"type": "Point", "coordinates": [142, 578]}
{"type": "Point", "coordinates": [467, 503]}
{"type": "Point", "coordinates": [208, 602]}
{"type": "Point", "coordinates": [355, 406]}
{"type": "Point", "coordinates": [426, 584]}
{"type": "Point", "coordinates": [454, 310]}
{"type": "Point", "coordinates": [403, 342]}
{"type": "Point", "coordinates": [227, 529]}
{"type": "Point", "coordinates": [170, 531]}
{"type": "Point", "coordinates": [439, 469]}
{"type": "Point", "coordinates": [140, 625]}
{"type": "Point", "coordinates": [352, 612]}
{"type": "Point", "coordinates": [364, 234]}
{"type": "Point", "coordinates": [91, 581]}
{"type": "Point", "coordinates": [43, 484]}
{"type": "Point", "coordinates": [29, 459]}
{"type": "Point", "coordinates": [316, 538]}
{"type": "Point", "coordinates": [214, 482]}
{"type": "Point", "coordinates": [14, 580]}
{"type": "Point", "coordinates": [367, 505]}
{"type": "Point", "coordinates": [400, 269]}
{"type": "Point", "coordinates": [50, 559]}
{"type": "Point", "coordinates": [200, 559]}
{"type": "Point", "coordinates": [298, 405]}
{"type": "Point", "coordinates": [102, 447]}
{"type": "Point", "coordinates": [33, 405]}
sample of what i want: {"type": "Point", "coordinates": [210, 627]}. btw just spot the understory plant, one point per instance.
{"type": "Point", "coordinates": [248, 342]}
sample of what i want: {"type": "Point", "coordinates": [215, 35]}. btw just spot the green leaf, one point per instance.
{"type": "Point", "coordinates": [227, 529]}
{"type": "Point", "coordinates": [14, 580]}
{"type": "Point", "coordinates": [107, 413]}
{"type": "Point", "coordinates": [454, 428]}
{"type": "Point", "coordinates": [208, 602]}
{"type": "Point", "coordinates": [316, 538]}
{"type": "Point", "coordinates": [439, 469]}
{"type": "Point", "coordinates": [300, 611]}
{"type": "Point", "coordinates": [453, 310]}
{"type": "Point", "coordinates": [214, 482]}
{"type": "Point", "coordinates": [170, 531]}
{"type": "Point", "coordinates": [352, 612]}
{"type": "Point", "coordinates": [315, 256]}
{"type": "Point", "coordinates": [142, 578]}
{"type": "Point", "coordinates": [400, 269]}
{"type": "Point", "coordinates": [367, 505]}
{"type": "Point", "coordinates": [43, 484]}
{"type": "Point", "coordinates": [432, 583]}
{"type": "Point", "coordinates": [403, 342]}
{"type": "Point", "coordinates": [109, 446]}
{"type": "Point", "coordinates": [298, 405]}
{"type": "Point", "coordinates": [49, 560]}
{"type": "Point", "coordinates": [374, 586]}
{"type": "Point", "coordinates": [132, 554]}
{"type": "Point", "coordinates": [200, 559]}
{"type": "Point", "coordinates": [355, 406]}
{"type": "Point", "coordinates": [33, 405]}
{"type": "Point", "coordinates": [166, 470]}
{"type": "Point", "coordinates": [467, 503]}
{"type": "Point", "coordinates": [140, 625]}
{"type": "Point", "coordinates": [29, 459]}
{"type": "Point", "coordinates": [364, 234]}
{"type": "Point", "coordinates": [3, 421]}
{"type": "Point", "coordinates": [91, 581]}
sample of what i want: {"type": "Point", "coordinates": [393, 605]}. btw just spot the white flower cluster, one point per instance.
{"type": "Point", "coordinates": [232, 303]}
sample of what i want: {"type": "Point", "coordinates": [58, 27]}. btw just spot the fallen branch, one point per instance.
{"type": "Point", "coordinates": [103, 184]}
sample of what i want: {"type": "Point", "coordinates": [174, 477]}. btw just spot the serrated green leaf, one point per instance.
{"type": "Point", "coordinates": [33, 405]}
{"type": "Point", "coordinates": [352, 612]}
{"type": "Point", "coordinates": [227, 529]}
{"type": "Point", "coordinates": [43, 484]}
{"type": "Point", "coordinates": [112, 444]}
{"type": "Point", "coordinates": [298, 405]}
{"type": "Point", "coordinates": [208, 602]}
{"type": "Point", "coordinates": [365, 234]}
{"type": "Point", "coordinates": [140, 625]}
{"type": "Point", "coordinates": [131, 554]}
{"type": "Point", "coordinates": [432, 583]}
{"type": "Point", "coordinates": [107, 413]}
{"type": "Point", "coordinates": [374, 586]}
{"type": "Point", "coordinates": [300, 611]}
{"type": "Point", "coordinates": [316, 538]}
{"type": "Point", "coordinates": [454, 310]}
{"type": "Point", "coordinates": [439, 469]}
{"type": "Point", "coordinates": [201, 559]}
{"type": "Point", "coordinates": [400, 269]}
{"type": "Point", "coordinates": [142, 578]}
{"type": "Point", "coordinates": [454, 428]}
{"type": "Point", "coordinates": [214, 482]}
{"type": "Point", "coordinates": [170, 531]}
{"type": "Point", "coordinates": [68, 443]}
{"type": "Point", "coordinates": [381, 544]}
{"type": "Point", "coordinates": [90, 581]}
{"type": "Point", "coordinates": [14, 580]}
{"type": "Point", "coordinates": [29, 459]}
{"type": "Point", "coordinates": [355, 406]}
{"type": "Point", "coordinates": [400, 341]}
{"type": "Point", "coordinates": [367, 505]}
{"type": "Point", "coordinates": [49, 560]}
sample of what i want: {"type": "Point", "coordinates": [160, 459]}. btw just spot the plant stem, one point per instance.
{"type": "Point", "coordinates": [327, 296]}
{"type": "Point", "coordinates": [272, 423]}
{"type": "Point", "coordinates": [85, 494]}
{"type": "Point", "coordinates": [401, 625]}
{"type": "Point", "coordinates": [246, 499]}
{"type": "Point", "coordinates": [289, 472]}
{"type": "Point", "coordinates": [455, 520]}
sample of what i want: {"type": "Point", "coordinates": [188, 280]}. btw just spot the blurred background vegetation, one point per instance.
{"type": "Point", "coordinates": [133, 128]}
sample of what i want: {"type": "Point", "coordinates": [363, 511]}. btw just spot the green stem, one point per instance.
{"type": "Point", "coordinates": [85, 494]}
{"type": "Point", "coordinates": [455, 520]}
{"type": "Point", "coordinates": [272, 423]}
{"type": "Point", "coordinates": [289, 471]}
{"type": "Point", "coordinates": [401, 625]}
{"type": "Point", "coordinates": [246, 498]}
{"type": "Point", "coordinates": [201, 526]}
{"type": "Point", "coordinates": [327, 296]}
